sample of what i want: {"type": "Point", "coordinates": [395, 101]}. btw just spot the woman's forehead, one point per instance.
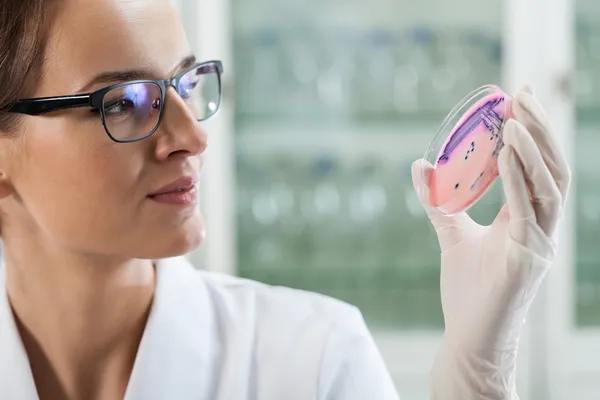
{"type": "Point", "coordinates": [91, 37]}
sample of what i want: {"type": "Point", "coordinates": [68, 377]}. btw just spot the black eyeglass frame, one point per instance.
{"type": "Point", "coordinates": [44, 105]}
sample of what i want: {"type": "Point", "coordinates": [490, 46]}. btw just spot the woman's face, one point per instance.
{"type": "Point", "coordinates": [64, 180]}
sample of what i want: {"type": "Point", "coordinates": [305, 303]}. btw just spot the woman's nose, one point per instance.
{"type": "Point", "coordinates": [180, 133]}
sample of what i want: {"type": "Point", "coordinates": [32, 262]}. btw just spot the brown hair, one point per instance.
{"type": "Point", "coordinates": [23, 39]}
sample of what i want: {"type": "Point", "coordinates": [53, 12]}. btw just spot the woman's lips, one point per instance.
{"type": "Point", "coordinates": [183, 191]}
{"type": "Point", "coordinates": [183, 197]}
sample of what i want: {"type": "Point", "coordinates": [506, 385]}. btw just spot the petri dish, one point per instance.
{"type": "Point", "coordinates": [464, 152]}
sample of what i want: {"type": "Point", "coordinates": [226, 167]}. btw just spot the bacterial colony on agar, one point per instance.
{"type": "Point", "coordinates": [465, 151]}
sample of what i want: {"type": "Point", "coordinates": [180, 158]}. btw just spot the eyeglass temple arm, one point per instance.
{"type": "Point", "coordinates": [49, 104]}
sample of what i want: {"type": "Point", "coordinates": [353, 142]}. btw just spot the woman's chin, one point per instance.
{"type": "Point", "coordinates": [184, 240]}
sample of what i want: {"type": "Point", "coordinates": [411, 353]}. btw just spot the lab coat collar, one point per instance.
{"type": "Point", "coordinates": [175, 356]}
{"type": "Point", "coordinates": [16, 379]}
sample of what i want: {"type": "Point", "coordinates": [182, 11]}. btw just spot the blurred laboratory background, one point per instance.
{"type": "Point", "coordinates": [326, 105]}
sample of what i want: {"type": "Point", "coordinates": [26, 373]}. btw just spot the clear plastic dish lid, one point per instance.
{"type": "Point", "coordinates": [465, 150]}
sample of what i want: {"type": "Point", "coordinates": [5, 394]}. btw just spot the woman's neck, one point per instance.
{"type": "Point", "coordinates": [81, 318]}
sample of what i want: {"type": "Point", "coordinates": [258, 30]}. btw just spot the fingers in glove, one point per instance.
{"type": "Point", "coordinates": [531, 115]}
{"type": "Point", "coordinates": [515, 185]}
{"type": "Point", "coordinates": [546, 198]}
{"type": "Point", "coordinates": [527, 89]}
{"type": "Point", "coordinates": [421, 177]}
{"type": "Point", "coordinates": [446, 226]}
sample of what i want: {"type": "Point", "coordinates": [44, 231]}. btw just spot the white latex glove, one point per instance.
{"type": "Point", "coordinates": [490, 274]}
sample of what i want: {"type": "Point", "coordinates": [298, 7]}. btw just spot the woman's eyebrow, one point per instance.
{"type": "Point", "coordinates": [134, 74]}
{"type": "Point", "coordinates": [116, 76]}
{"type": "Point", "coordinates": [184, 64]}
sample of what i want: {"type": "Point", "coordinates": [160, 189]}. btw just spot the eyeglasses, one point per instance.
{"type": "Point", "coordinates": [132, 111]}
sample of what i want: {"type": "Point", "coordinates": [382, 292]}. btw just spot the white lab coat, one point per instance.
{"type": "Point", "coordinates": [216, 337]}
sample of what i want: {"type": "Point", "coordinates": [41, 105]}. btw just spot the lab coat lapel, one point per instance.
{"type": "Point", "coordinates": [16, 378]}
{"type": "Point", "coordinates": [176, 355]}
{"type": "Point", "coordinates": [177, 352]}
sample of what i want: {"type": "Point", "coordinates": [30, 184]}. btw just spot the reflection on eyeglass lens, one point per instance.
{"type": "Point", "coordinates": [129, 99]}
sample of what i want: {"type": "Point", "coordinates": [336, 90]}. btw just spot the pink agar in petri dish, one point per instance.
{"type": "Point", "coordinates": [466, 162]}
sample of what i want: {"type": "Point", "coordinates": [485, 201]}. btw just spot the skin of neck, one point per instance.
{"type": "Point", "coordinates": [81, 317]}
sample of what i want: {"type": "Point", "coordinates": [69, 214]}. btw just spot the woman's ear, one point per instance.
{"type": "Point", "coordinates": [6, 187]}
{"type": "Point", "coordinates": [10, 152]}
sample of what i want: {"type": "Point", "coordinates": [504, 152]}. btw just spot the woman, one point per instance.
{"type": "Point", "coordinates": [98, 200]}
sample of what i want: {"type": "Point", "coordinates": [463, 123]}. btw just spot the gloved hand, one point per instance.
{"type": "Point", "coordinates": [490, 274]}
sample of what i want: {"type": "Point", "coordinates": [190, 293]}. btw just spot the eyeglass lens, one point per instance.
{"type": "Point", "coordinates": [133, 111]}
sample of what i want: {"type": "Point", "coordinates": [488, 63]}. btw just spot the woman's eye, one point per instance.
{"type": "Point", "coordinates": [119, 107]}
{"type": "Point", "coordinates": [187, 89]}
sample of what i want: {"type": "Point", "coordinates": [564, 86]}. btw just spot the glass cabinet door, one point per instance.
{"type": "Point", "coordinates": [334, 100]}
{"type": "Point", "coordinates": [587, 310]}
{"type": "Point", "coordinates": [584, 340]}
